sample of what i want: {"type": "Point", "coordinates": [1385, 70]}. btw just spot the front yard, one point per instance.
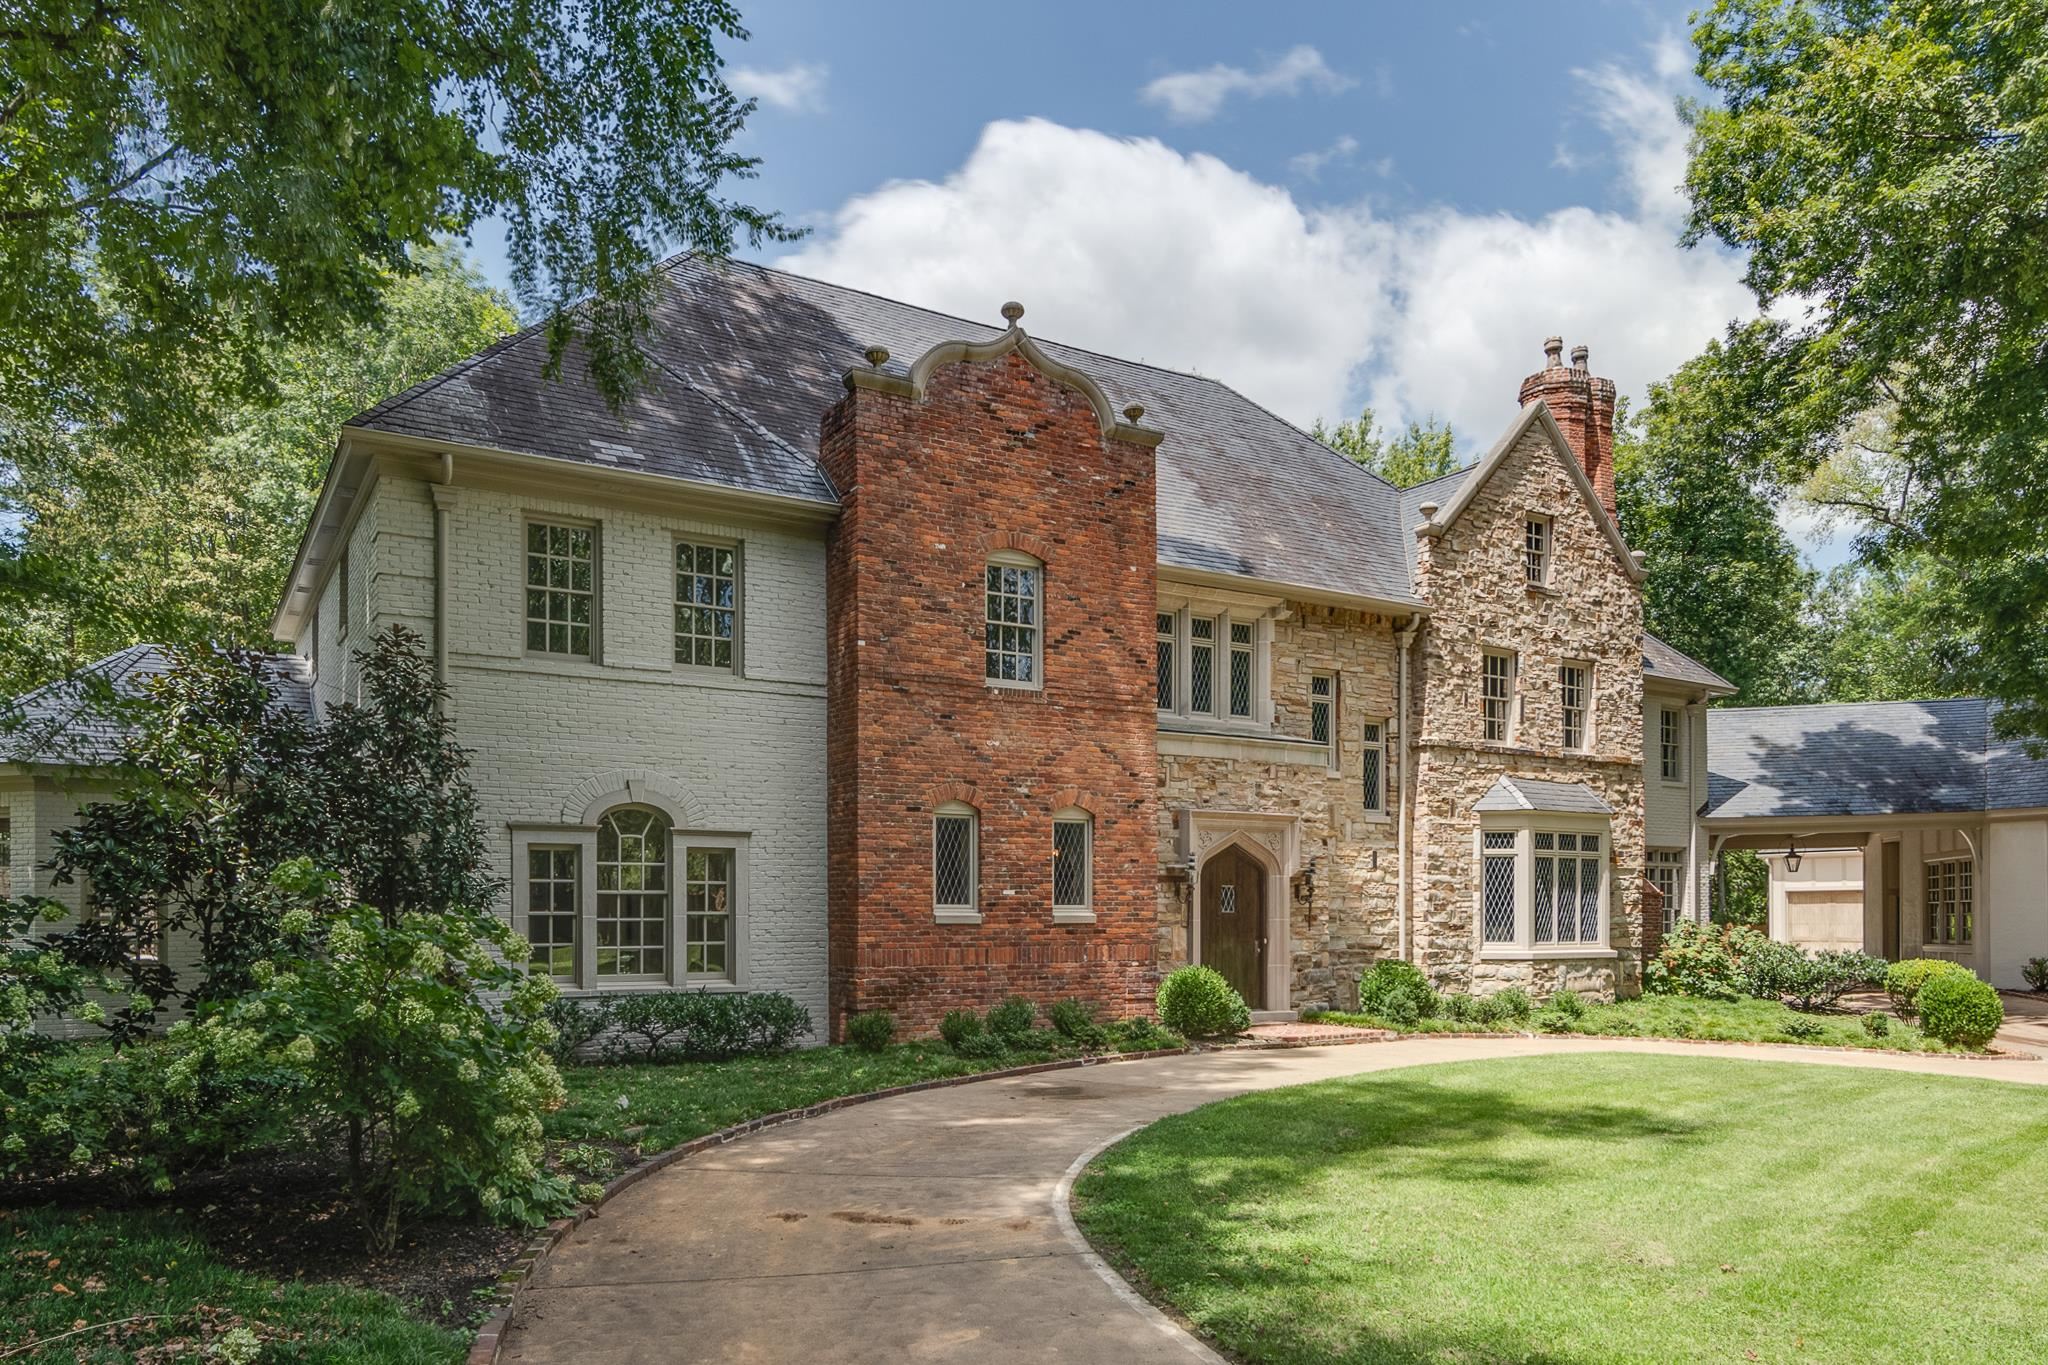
{"type": "Point", "coordinates": [1599, 1207]}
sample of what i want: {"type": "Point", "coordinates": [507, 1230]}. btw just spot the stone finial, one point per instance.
{"type": "Point", "coordinates": [1428, 510]}
{"type": "Point", "coordinates": [1553, 352]}
{"type": "Point", "coordinates": [1579, 357]}
{"type": "Point", "coordinates": [1134, 412]}
{"type": "Point", "coordinates": [878, 356]}
{"type": "Point", "coordinates": [1012, 311]}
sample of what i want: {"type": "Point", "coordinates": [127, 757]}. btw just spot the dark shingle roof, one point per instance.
{"type": "Point", "coordinates": [1866, 758]}
{"type": "Point", "coordinates": [77, 720]}
{"type": "Point", "coordinates": [748, 360]}
{"type": "Point", "coordinates": [1533, 794]}
{"type": "Point", "coordinates": [1666, 661]}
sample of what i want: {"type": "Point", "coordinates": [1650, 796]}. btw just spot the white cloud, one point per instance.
{"type": "Point", "coordinates": [798, 88]}
{"type": "Point", "coordinates": [1132, 247]}
{"type": "Point", "coordinates": [1309, 165]}
{"type": "Point", "coordinates": [1198, 96]}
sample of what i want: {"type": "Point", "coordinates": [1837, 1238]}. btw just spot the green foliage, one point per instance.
{"type": "Point", "coordinates": [1701, 960]}
{"type": "Point", "coordinates": [871, 1031]}
{"type": "Point", "coordinates": [698, 1026]}
{"type": "Point", "coordinates": [1427, 450]}
{"type": "Point", "coordinates": [1140, 1034]}
{"type": "Point", "coordinates": [1397, 992]}
{"type": "Point", "coordinates": [982, 1046]}
{"type": "Point", "coordinates": [1197, 1002]}
{"type": "Point", "coordinates": [958, 1026]}
{"type": "Point", "coordinates": [1882, 165]}
{"type": "Point", "coordinates": [2036, 973]}
{"type": "Point", "coordinates": [1803, 1028]}
{"type": "Point", "coordinates": [1892, 630]}
{"type": "Point", "coordinates": [1514, 1003]}
{"type": "Point", "coordinates": [1904, 980]}
{"type": "Point", "coordinates": [577, 1023]}
{"type": "Point", "coordinates": [1075, 1020]}
{"type": "Point", "coordinates": [1568, 1003]}
{"type": "Point", "coordinates": [1957, 1008]}
{"type": "Point", "coordinates": [1012, 1019]}
{"type": "Point", "coordinates": [1877, 1025]}
{"type": "Point", "coordinates": [1743, 895]}
{"type": "Point", "coordinates": [1806, 981]}
{"type": "Point", "coordinates": [1548, 1020]}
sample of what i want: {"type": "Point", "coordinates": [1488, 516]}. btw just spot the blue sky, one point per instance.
{"type": "Point", "coordinates": [1323, 205]}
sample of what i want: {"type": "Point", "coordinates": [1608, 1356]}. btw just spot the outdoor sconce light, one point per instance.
{"type": "Point", "coordinates": [1792, 855]}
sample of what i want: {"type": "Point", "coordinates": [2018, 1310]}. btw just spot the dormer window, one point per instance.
{"type": "Point", "coordinates": [1536, 551]}
{"type": "Point", "coordinates": [1013, 620]}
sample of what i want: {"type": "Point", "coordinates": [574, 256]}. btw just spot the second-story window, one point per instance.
{"type": "Point", "coordinates": [1202, 665]}
{"type": "Point", "coordinates": [707, 604]}
{"type": "Point", "coordinates": [1536, 550]}
{"type": "Point", "coordinates": [1497, 695]}
{"type": "Point", "coordinates": [1242, 651]}
{"type": "Point", "coordinates": [1571, 701]}
{"type": "Point", "coordinates": [1322, 708]}
{"type": "Point", "coordinates": [1670, 765]}
{"type": "Point", "coordinates": [1163, 645]}
{"type": "Point", "coordinates": [1013, 620]}
{"type": "Point", "coordinates": [561, 589]}
{"type": "Point", "coordinates": [1373, 743]}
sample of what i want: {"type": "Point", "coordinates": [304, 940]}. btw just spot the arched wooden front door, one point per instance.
{"type": "Point", "coordinates": [1234, 922]}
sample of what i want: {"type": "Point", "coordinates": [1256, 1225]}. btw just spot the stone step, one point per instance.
{"type": "Point", "coordinates": [1274, 1016]}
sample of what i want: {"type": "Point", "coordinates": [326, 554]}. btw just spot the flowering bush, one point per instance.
{"type": "Point", "coordinates": [1703, 961]}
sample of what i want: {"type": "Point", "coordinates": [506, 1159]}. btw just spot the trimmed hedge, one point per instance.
{"type": "Point", "coordinates": [1959, 1009]}
{"type": "Point", "coordinates": [1199, 1003]}
{"type": "Point", "coordinates": [678, 1026]}
{"type": "Point", "coordinates": [1903, 981]}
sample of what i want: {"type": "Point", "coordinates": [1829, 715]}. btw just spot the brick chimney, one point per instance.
{"type": "Point", "coordinates": [1584, 408]}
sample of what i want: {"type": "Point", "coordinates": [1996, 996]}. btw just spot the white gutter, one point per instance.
{"type": "Point", "coordinates": [443, 491]}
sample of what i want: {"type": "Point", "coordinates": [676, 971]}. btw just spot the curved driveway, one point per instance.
{"type": "Point", "coordinates": [933, 1226]}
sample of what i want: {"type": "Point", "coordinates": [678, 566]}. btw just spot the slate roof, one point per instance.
{"type": "Point", "coordinates": [69, 721]}
{"type": "Point", "coordinates": [748, 359]}
{"type": "Point", "coordinates": [1529, 793]}
{"type": "Point", "coordinates": [1666, 661]}
{"type": "Point", "coordinates": [1866, 758]}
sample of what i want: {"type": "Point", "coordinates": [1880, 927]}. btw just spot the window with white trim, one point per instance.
{"type": "Point", "coordinates": [1543, 887]}
{"type": "Point", "coordinates": [1013, 620]}
{"type": "Point", "coordinates": [1666, 870]}
{"type": "Point", "coordinates": [1202, 665]}
{"type": "Point", "coordinates": [561, 589]}
{"type": "Point", "coordinates": [1498, 875]}
{"type": "Point", "coordinates": [1573, 688]}
{"type": "Point", "coordinates": [708, 896]}
{"type": "Point", "coordinates": [1567, 880]}
{"type": "Point", "coordinates": [1212, 664]}
{"type": "Point", "coordinates": [707, 604]}
{"type": "Point", "coordinates": [1497, 695]}
{"type": "Point", "coordinates": [1536, 550]}
{"type": "Point", "coordinates": [553, 881]}
{"type": "Point", "coordinates": [1166, 630]}
{"type": "Point", "coordinates": [632, 894]}
{"type": "Point", "coordinates": [1952, 901]}
{"type": "Point", "coordinates": [1073, 838]}
{"type": "Point", "coordinates": [955, 855]}
{"type": "Point", "coordinates": [1373, 751]}
{"type": "Point", "coordinates": [1670, 755]}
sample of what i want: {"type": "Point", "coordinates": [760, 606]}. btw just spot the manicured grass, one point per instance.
{"type": "Point", "coordinates": [61, 1269]}
{"type": "Point", "coordinates": [1674, 1016]}
{"type": "Point", "coordinates": [1595, 1208]}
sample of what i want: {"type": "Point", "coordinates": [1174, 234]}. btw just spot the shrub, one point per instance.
{"type": "Point", "coordinates": [2036, 973]}
{"type": "Point", "coordinates": [1799, 1026]}
{"type": "Point", "coordinates": [1075, 1021]}
{"type": "Point", "coordinates": [1487, 1011]}
{"type": "Point", "coordinates": [1199, 1003]}
{"type": "Point", "coordinates": [1959, 1009]}
{"type": "Point", "coordinates": [1877, 1025]}
{"type": "Point", "coordinates": [1769, 970]}
{"type": "Point", "coordinates": [702, 1026]}
{"type": "Point", "coordinates": [872, 1031]}
{"type": "Point", "coordinates": [577, 1023]}
{"type": "Point", "coordinates": [1903, 980]}
{"type": "Point", "coordinates": [1454, 1008]}
{"type": "Point", "coordinates": [1702, 961]}
{"type": "Point", "coordinates": [1514, 1004]}
{"type": "Point", "coordinates": [981, 1046]}
{"type": "Point", "coordinates": [958, 1026]}
{"type": "Point", "coordinates": [1779, 971]}
{"type": "Point", "coordinates": [1397, 992]}
{"type": "Point", "coordinates": [1012, 1019]}
{"type": "Point", "coordinates": [1139, 1034]}
{"type": "Point", "coordinates": [1568, 1003]}
{"type": "Point", "coordinates": [1552, 1021]}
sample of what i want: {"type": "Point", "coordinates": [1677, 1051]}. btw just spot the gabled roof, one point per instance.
{"type": "Point", "coordinates": [1533, 794]}
{"type": "Point", "coordinates": [1866, 758]}
{"type": "Point", "coordinates": [69, 722]}
{"type": "Point", "coordinates": [746, 360]}
{"type": "Point", "coordinates": [1670, 663]}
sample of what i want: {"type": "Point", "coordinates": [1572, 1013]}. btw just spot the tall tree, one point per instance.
{"type": "Point", "coordinates": [1694, 490]}
{"type": "Point", "coordinates": [1885, 168]}
{"type": "Point", "coordinates": [1424, 451]}
{"type": "Point", "coordinates": [182, 542]}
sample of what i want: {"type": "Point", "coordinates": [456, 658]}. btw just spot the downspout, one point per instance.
{"type": "Point", "coordinates": [443, 490]}
{"type": "Point", "coordinates": [1695, 760]}
{"type": "Point", "coordinates": [1402, 640]}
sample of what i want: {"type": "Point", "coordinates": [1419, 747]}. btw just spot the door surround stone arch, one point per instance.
{"type": "Point", "coordinates": [1273, 841]}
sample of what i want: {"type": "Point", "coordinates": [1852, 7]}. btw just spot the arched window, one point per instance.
{"type": "Point", "coordinates": [955, 874]}
{"type": "Point", "coordinates": [632, 894]}
{"type": "Point", "coordinates": [1013, 620]}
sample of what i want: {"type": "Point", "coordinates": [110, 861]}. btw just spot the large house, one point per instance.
{"type": "Point", "coordinates": [903, 662]}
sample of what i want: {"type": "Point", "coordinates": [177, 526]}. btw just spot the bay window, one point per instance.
{"type": "Point", "coordinates": [1543, 887]}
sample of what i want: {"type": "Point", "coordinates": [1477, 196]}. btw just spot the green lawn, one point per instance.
{"type": "Point", "coordinates": [1595, 1208]}
{"type": "Point", "coordinates": [61, 1269]}
{"type": "Point", "coordinates": [1675, 1016]}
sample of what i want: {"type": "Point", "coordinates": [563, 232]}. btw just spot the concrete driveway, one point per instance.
{"type": "Point", "coordinates": [934, 1226]}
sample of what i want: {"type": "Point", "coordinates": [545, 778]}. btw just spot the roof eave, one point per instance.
{"type": "Point", "coordinates": [1299, 592]}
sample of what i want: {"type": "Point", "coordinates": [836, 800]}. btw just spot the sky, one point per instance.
{"type": "Point", "coordinates": [1322, 205]}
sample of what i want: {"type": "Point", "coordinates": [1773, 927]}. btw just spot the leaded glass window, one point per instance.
{"type": "Point", "coordinates": [1497, 689]}
{"type": "Point", "coordinates": [1163, 643]}
{"type": "Point", "coordinates": [632, 894]}
{"type": "Point", "coordinates": [561, 589]}
{"type": "Point", "coordinates": [1571, 701]}
{"type": "Point", "coordinates": [552, 879]}
{"type": "Point", "coordinates": [1373, 744]}
{"type": "Point", "coordinates": [707, 604]}
{"type": "Point", "coordinates": [953, 858]}
{"type": "Point", "coordinates": [1241, 651]}
{"type": "Point", "coordinates": [1499, 888]}
{"type": "Point", "coordinates": [1322, 703]}
{"type": "Point", "coordinates": [1011, 623]}
{"type": "Point", "coordinates": [1951, 901]}
{"type": "Point", "coordinates": [707, 911]}
{"type": "Point", "coordinates": [1070, 861]}
{"type": "Point", "coordinates": [1202, 665]}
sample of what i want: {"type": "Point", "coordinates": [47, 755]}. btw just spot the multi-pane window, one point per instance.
{"type": "Point", "coordinates": [1536, 550]}
{"type": "Point", "coordinates": [1497, 694]}
{"type": "Point", "coordinates": [551, 883]}
{"type": "Point", "coordinates": [1951, 901]}
{"type": "Point", "coordinates": [1322, 708]}
{"type": "Point", "coordinates": [1373, 744]}
{"type": "Point", "coordinates": [707, 604]}
{"type": "Point", "coordinates": [1012, 619]}
{"type": "Point", "coordinates": [1498, 886]}
{"type": "Point", "coordinates": [707, 911]}
{"type": "Point", "coordinates": [1202, 665]}
{"type": "Point", "coordinates": [561, 588]}
{"type": "Point", "coordinates": [632, 894]}
{"type": "Point", "coordinates": [1669, 764]}
{"type": "Point", "coordinates": [1567, 888]}
{"type": "Point", "coordinates": [1071, 831]}
{"type": "Point", "coordinates": [1571, 701]}
{"type": "Point", "coordinates": [953, 859]}
{"type": "Point", "coordinates": [1163, 642]}
{"type": "Point", "coordinates": [1667, 870]}
{"type": "Point", "coordinates": [1241, 653]}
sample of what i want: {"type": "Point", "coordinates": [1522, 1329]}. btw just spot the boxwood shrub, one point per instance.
{"type": "Point", "coordinates": [1199, 1003]}
{"type": "Point", "coordinates": [872, 1031]}
{"type": "Point", "coordinates": [1012, 1020]}
{"type": "Point", "coordinates": [1397, 992]}
{"type": "Point", "coordinates": [1903, 980]}
{"type": "Point", "coordinates": [1959, 1009]}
